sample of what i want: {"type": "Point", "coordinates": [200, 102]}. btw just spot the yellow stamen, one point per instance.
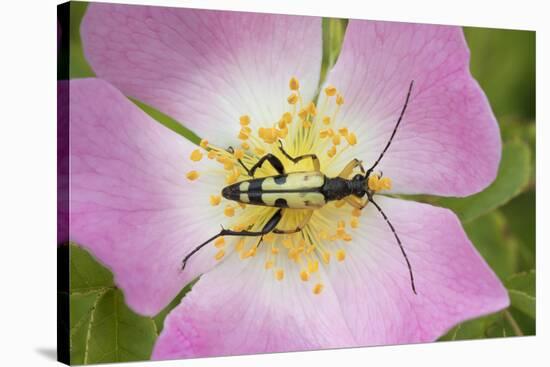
{"type": "Point", "coordinates": [374, 182]}
{"type": "Point", "coordinates": [385, 183]}
{"type": "Point", "coordinates": [259, 151]}
{"type": "Point", "coordinates": [354, 223]}
{"type": "Point", "coordinates": [220, 242]}
{"type": "Point", "coordinates": [204, 143]}
{"type": "Point", "coordinates": [245, 145]}
{"type": "Point", "coordinates": [212, 154]}
{"type": "Point", "coordinates": [244, 120]}
{"type": "Point", "coordinates": [326, 257]}
{"type": "Point", "coordinates": [313, 266]}
{"type": "Point", "coordinates": [192, 175]}
{"type": "Point", "coordinates": [304, 275]}
{"type": "Point", "coordinates": [318, 288]}
{"type": "Point", "coordinates": [340, 255]}
{"type": "Point", "coordinates": [326, 120]}
{"type": "Point", "coordinates": [229, 211]}
{"type": "Point", "coordinates": [331, 152]}
{"type": "Point", "coordinates": [215, 200]}
{"type": "Point", "coordinates": [311, 109]}
{"type": "Point", "coordinates": [336, 140]}
{"type": "Point", "coordinates": [274, 250]}
{"type": "Point", "coordinates": [269, 264]}
{"type": "Point", "coordinates": [302, 114]}
{"type": "Point", "coordinates": [243, 135]}
{"type": "Point", "coordinates": [339, 100]}
{"type": "Point", "coordinates": [196, 155]}
{"type": "Point", "coordinates": [239, 154]}
{"type": "Point", "coordinates": [343, 131]}
{"type": "Point", "coordinates": [279, 274]}
{"type": "Point", "coordinates": [330, 90]}
{"type": "Point", "coordinates": [351, 138]}
{"type": "Point", "coordinates": [356, 212]}
{"type": "Point", "coordinates": [294, 84]}
{"type": "Point", "coordinates": [292, 99]}
{"type": "Point", "coordinates": [286, 118]}
{"type": "Point", "coordinates": [219, 255]}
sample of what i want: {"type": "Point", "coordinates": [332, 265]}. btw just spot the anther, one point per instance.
{"type": "Point", "coordinates": [304, 275]}
{"type": "Point", "coordinates": [340, 255]}
{"type": "Point", "coordinates": [219, 255]}
{"type": "Point", "coordinates": [339, 100]}
{"type": "Point", "coordinates": [279, 274]}
{"type": "Point", "coordinates": [192, 175]}
{"type": "Point", "coordinates": [220, 242]}
{"type": "Point", "coordinates": [294, 84]}
{"type": "Point", "coordinates": [330, 90]}
{"type": "Point", "coordinates": [244, 120]}
{"type": "Point", "coordinates": [204, 143]}
{"type": "Point", "coordinates": [196, 155]}
{"type": "Point", "coordinates": [229, 211]}
{"type": "Point", "coordinates": [215, 200]}
{"type": "Point", "coordinates": [318, 288]}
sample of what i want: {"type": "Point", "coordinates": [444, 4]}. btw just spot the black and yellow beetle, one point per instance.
{"type": "Point", "coordinates": [304, 190]}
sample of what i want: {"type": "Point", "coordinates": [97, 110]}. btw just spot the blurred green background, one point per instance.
{"type": "Point", "coordinates": [500, 221]}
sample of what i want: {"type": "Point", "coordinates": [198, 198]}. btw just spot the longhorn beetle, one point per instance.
{"type": "Point", "coordinates": [304, 190]}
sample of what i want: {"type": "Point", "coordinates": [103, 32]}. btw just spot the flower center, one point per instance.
{"type": "Point", "coordinates": [305, 128]}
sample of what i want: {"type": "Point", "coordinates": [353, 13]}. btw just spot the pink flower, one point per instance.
{"type": "Point", "coordinates": [345, 283]}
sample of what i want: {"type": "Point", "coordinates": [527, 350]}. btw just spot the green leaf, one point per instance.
{"type": "Point", "coordinates": [488, 234]}
{"type": "Point", "coordinates": [522, 288]}
{"type": "Point", "coordinates": [159, 318]}
{"type": "Point", "coordinates": [503, 61]}
{"type": "Point", "coordinates": [103, 328]}
{"type": "Point", "coordinates": [513, 176]}
{"type": "Point", "coordinates": [333, 35]}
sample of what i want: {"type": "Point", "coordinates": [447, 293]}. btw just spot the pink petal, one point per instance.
{"type": "Point", "coordinates": [453, 282]}
{"type": "Point", "coordinates": [62, 161]}
{"type": "Point", "coordinates": [204, 68]}
{"type": "Point", "coordinates": [131, 204]}
{"type": "Point", "coordinates": [448, 142]}
{"type": "Point", "coordinates": [239, 308]}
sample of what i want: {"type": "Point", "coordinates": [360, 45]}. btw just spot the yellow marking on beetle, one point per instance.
{"type": "Point", "coordinates": [296, 180]}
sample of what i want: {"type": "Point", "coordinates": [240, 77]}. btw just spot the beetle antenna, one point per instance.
{"type": "Point", "coordinates": [196, 249]}
{"type": "Point", "coordinates": [394, 130]}
{"type": "Point", "coordinates": [398, 242]}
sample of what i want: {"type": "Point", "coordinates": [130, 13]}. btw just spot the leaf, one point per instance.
{"type": "Point", "coordinates": [503, 61]}
{"type": "Point", "coordinates": [103, 328]}
{"type": "Point", "coordinates": [161, 316]}
{"type": "Point", "coordinates": [333, 35]}
{"type": "Point", "coordinates": [522, 288]}
{"type": "Point", "coordinates": [513, 176]}
{"type": "Point", "coordinates": [488, 234]}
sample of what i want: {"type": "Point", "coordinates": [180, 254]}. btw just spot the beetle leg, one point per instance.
{"type": "Point", "coordinates": [313, 157]}
{"type": "Point", "coordinates": [300, 226]}
{"type": "Point", "coordinates": [348, 169]}
{"type": "Point", "coordinates": [273, 160]}
{"type": "Point", "coordinates": [268, 227]}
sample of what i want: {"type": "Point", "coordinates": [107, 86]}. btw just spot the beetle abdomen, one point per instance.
{"type": "Point", "coordinates": [297, 190]}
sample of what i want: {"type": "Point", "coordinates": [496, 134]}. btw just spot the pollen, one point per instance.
{"type": "Point", "coordinates": [229, 211]}
{"type": "Point", "coordinates": [354, 222]}
{"type": "Point", "coordinates": [339, 100]}
{"type": "Point", "coordinates": [311, 109]}
{"type": "Point", "coordinates": [243, 135]}
{"type": "Point", "coordinates": [215, 200]}
{"type": "Point", "coordinates": [279, 274]}
{"type": "Point", "coordinates": [204, 143]}
{"type": "Point", "coordinates": [212, 154]}
{"type": "Point", "coordinates": [192, 175]}
{"type": "Point", "coordinates": [302, 114]}
{"type": "Point", "coordinates": [313, 266]}
{"type": "Point", "coordinates": [318, 288]}
{"type": "Point", "coordinates": [356, 212]}
{"type": "Point", "coordinates": [219, 255]}
{"type": "Point", "coordinates": [336, 140]}
{"type": "Point", "coordinates": [332, 151]}
{"type": "Point", "coordinates": [304, 275]}
{"type": "Point", "coordinates": [294, 84]}
{"type": "Point", "coordinates": [326, 120]}
{"type": "Point", "coordinates": [330, 90]}
{"type": "Point", "coordinates": [292, 99]}
{"type": "Point", "coordinates": [220, 242]}
{"type": "Point", "coordinates": [343, 131]}
{"type": "Point", "coordinates": [244, 120]}
{"type": "Point", "coordinates": [286, 118]}
{"type": "Point", "coordinates": [239, 154]}
{"type": "Point", "coordinates": [245, 145]}
{"type": "Point", "coordinates": [340, 255]}
{"type": "Point", "coordinates": [351, 138]}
